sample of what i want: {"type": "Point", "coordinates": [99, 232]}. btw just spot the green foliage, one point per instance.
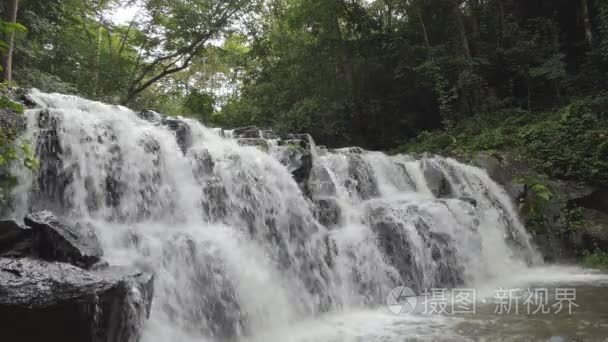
{"type": "Point", "coordinates": [12, 149]}
{"type": "Point", "coordinates": [429, 142]}
{"type": "Point", "coordinates": [602, 23]}
{"type": "Point", "coordinates": [199, 105]}
{"type": "Point", "coordinates": [597, 259]}
{"type": "Point", "coordinates": [6, 103]}
{"type": "Point", "coordinates": [372, 73]}
{"type": "Point", "coordinates": [570, 143]}
{"type": "Point", "coordinates": [534, 206]}
{"type": "Point", "coordinates": [574, 218]}
{"type": "Point", "coordinates": [553, 69]}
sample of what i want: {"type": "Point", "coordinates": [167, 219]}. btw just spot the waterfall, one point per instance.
{"type": "Point", "coordinates": [237, 243]}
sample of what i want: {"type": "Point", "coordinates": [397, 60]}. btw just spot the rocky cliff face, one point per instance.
{"type": "Point", "coordinates": [566, 219]}
{"type": "Point", "coordinates": [53, 286]}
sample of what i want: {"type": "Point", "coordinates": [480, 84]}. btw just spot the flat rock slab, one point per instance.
{"type": "Point", "coordinates": [51, 301]}
{"type": "Point", "coordinates": [53, 240]}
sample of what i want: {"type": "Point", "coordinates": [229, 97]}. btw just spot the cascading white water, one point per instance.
{"type": "Point", "coordinates": [236, 245]}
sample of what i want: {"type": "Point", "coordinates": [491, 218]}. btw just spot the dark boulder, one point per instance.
{"type": "Point", "coordinates": [44, 301]}
{"type": "Point", "coordinates": [361, 178]}
{"type": "Point", "coordinates": [296, 156]}
{"type": "Point", "coordinates": [53, 240]}
{"type": "Point", "coordinates": [22, 95]}
{"type": "Point", "coordinates": [179, 127]}
{"type": "Point", "coordinates": [436, 179]}
{"type": "Point", "coordinates": [260, 143]}
{"type": "Point", "coordinates": [347, 150]}
{"type": "Point", "coordinates": [150, 115]}
{"type": "Point", "coordinates": [565, 225]}
{"type": "Point", "coordinates": [505, 171]}
{"type": "Point", "coordinates": [181, 130]}
{"type": "Point", "coordinates": [54, 176]}
{"type": "Point", "coordinates": [593, 235]}
{"type": "Point", "coordinates": [472, 201]}
{"type": "Point", "coordinates": [596, 199]}
{"type": "Point", "coordinates": [395, 245]}
{"type": "Point", "coordinates": [252, 132]}
{"type": "Point", "coordinates": [327, 211]}
{"type": "Point", "coordinates": [320, 182]}
{"type": "Point", "coordinates": [15, 239]}
{"type": "Point", "coordinates": [269, 134]}
{"type": "Point", "coordinates": [394, 240]}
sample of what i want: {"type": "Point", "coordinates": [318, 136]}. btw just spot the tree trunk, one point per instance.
{"type": "Point", "coordinates": [7, 59]}
{"type": "Point", "coordinates": [389, 15]}
{"type": "Point", "coordinates": [97, 60]}
{"type": "Point", "coordinates": [476, 12]}
{"type": "Point", "coordinates": [427, 42]}
{"type": "Point", "coordinates": [501, 32]}
{"type": "Point", "coordinates": [461, 29]}
{"type": "Point", "coordinates": [587, 23]}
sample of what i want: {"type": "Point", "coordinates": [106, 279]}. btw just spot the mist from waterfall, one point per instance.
{"type": "Point", "coordinates": [237, 246]}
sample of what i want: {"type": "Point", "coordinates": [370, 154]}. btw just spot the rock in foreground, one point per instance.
{"type": "Point", "coordinates": [56, 241]}
{"type": "Point", "coordinates": [45, 301]}
{"type": "Point", "coordinates": [68, 294]}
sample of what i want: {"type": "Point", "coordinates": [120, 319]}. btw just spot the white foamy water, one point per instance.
{"type": "Point", "coordinates": [240, 252]}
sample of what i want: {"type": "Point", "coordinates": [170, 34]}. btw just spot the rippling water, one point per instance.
{"type": "Point", "coordinates": [587, 322]}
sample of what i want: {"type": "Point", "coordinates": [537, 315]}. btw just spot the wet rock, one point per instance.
{"type": "Point", "coordinates": [320, 183]}
{"type": "Point", "coordinates": [472, 201]}
{"type": "Point", "coordinates": [247, 132]}
{"type": "Point", "coordinates": [348, 150]}
{"type": "Point", "coordinates": [269, 134]}
{"type": "Point", "coordinates": [216, 199]}
{"type": "Point", "coordinates": [260, 143]}
{"type": "Point", "coordinates": [556, 237]}
{"type": "Point", "coordinates": [150, 115]}
{"type": "Point", "coordinates": [10, 121]}
{"type": "Point", "coordinates": [295, 143]}
{"type": "Point", "coordinates": [53, 176]}
{"type": "Point", "coordinates": [596, 199]}
{"type": "Point", "coordinates": [393, 229]}
{"type": "Point", "coordinates": [593, 235]}
{"type": "Point", "coordinates": [204, 162]}
{"type": "Point", "coordinates": [100, 266]}
{"type": "Point", "coordinates": [395, 245]}
{"type": "Point", "coordinates": [448, 272]}
{"type": "Point", "coordinates": [327, 211]}
{"type": "Point", "coordinates": [15, 239]}
{"type": "Point", "coordinates": [181, 130]}
{"type": "Point", "coordinates": [361, 177]}
{"type": "Point", "coordinates": [505, 171]}
{"type": "Point", "coordinates": [23, 96]}
{"type": "Point", "coordinates": [44, 301]}
{"type": "Point", "coordinates": [211, 303]}
{"type": "Point", "coordinates": [296, 156]}
{"type": "Point", "coordinates": [436, 180]}
{"type": "Point", "coordinates": [150, 145]}
{"type": "Point", "coordinates": [54, 240]}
